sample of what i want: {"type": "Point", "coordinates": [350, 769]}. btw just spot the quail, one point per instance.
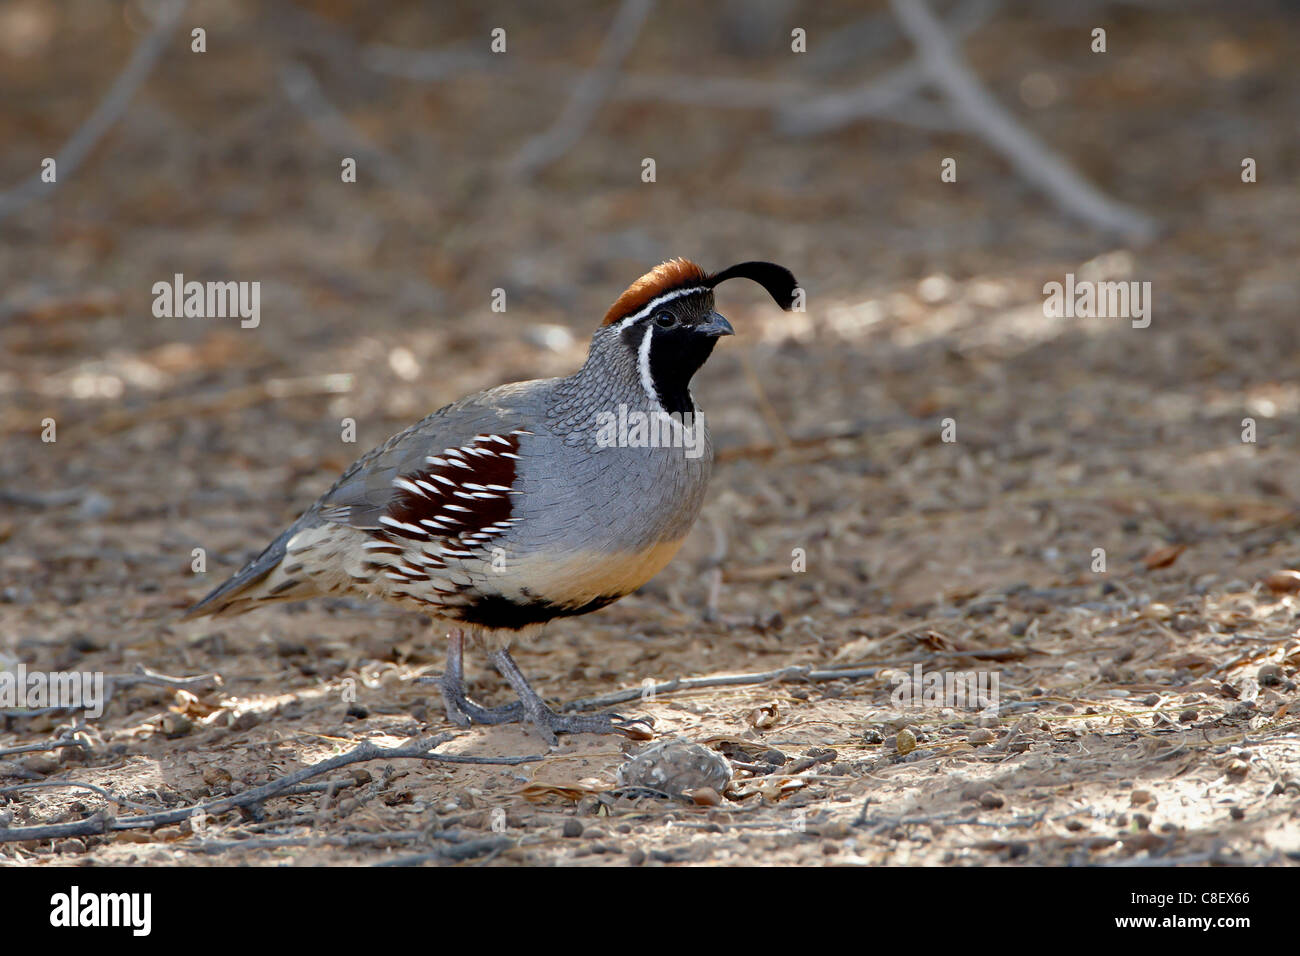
{"type": "Point", "coordinates": [528, 501]}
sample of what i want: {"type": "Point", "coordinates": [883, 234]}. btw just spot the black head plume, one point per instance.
{"type": "Point", "coordinates": [779, 281]}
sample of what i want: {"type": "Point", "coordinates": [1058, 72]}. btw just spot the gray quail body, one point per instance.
{"type": "Point", "coordinates": [525, 502]}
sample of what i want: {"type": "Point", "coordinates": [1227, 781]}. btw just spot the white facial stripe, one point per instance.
{"type": "Point", "coordinates": [656, 302]}
{"type": "Point", "coordinates": [643, 363]}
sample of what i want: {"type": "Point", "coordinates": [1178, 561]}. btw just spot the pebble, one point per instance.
{"type": "Point", "coordinates": [572, 828]}
{"type": "Point", "coordinates": [905, 743]}
{"type": "Point", "coordinates": [676, 767]}
{"type": "Point", "coordinates": [991, 800]}
{"type": "Point", "coordinates": [1270, 675]}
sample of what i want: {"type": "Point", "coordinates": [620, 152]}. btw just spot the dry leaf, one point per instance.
{"type": "Point", "coordinates": [761, 718]}
{"type": "Point", "coordinates": [1283, 582]}
{"type": "Point", "coordinates": [1163, 557]}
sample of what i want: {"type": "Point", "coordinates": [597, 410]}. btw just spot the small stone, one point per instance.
{"type": "Point", "coordinates": [981, 735]}
{"type": "Point", "coordinates": [991, 800]}
{"type": "Point", "coordinates": [44, 766]}
{"type": "Point", "coordinates": [1270, 675]}
{"type": "Point", "coordinates": [216, 776]}
{"type": "Point", "coordinates": [905, 743]}
{"type": "Point", "coordinates": [572, 828]}
{"type": "Point", "coordinates": [1140, 797]}
{"type": "Point", "coordinates": [1188, 715]}
{"type": "Point", "coordinates": [1237, 769]}
{"type": "Point", "coordinates": [1237, 813]}
{"type": "Point", "coordinates": [636, 857]}
{"type": "Point", "coordinates": [873, 737]}
{"type": "Point", "coordinates": [176, 725]}
{"type": "Point", "coordinates": [675, 767]}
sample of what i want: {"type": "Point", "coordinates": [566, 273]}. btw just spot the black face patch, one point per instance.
{"type": "Point", "coordinates": [675, 356]}
{"type": "Point", "coordinates": [677, 348]}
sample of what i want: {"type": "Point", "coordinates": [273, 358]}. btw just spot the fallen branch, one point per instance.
{"type": "Point", "coordinates": [451, 853]}
{"type": "Point", "coordinates": [103, 823]}
{"type": "Point", "coordinates": [76, 784]}
{"type": "Point", "coordinates": [887, 96]}
{"type": "Point", "coordinates": [144, 676]}
{"type": "Point", "coordinates": [798, 673]}
{"type": "Point", "coordinates": [984, 116]}
{"type": "Point", "coordinates": [106, 114]}
{"type": "Point", "coordinates": [302, 90]}
{"type": "Point", "coordinates": [588, 94]}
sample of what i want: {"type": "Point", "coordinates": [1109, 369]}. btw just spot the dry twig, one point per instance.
{"type": "Point", "coordinates": [106, 114]}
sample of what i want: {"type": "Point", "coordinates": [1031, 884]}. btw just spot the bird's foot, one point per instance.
{"type": "Point", "coordinates": [463, 712]}
{"type": "Point", "coordinates": [549, 724]}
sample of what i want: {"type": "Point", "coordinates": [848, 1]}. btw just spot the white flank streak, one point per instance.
{"type": "Point", "coordinates": [445, 481]}
{"type": "Point", "coordinates": [504, 441]}
{"type": "Point", "coordinates": [409, 486]}
{"type": "Point", "coordinates": [438, 462]}
{"type": "Point", "coordinates": [453, 508]}
{"type": "Point", "coordinates": [394, 523]}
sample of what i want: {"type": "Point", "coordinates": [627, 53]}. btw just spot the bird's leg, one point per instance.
{"type": "Point", "coordinates": [462, 711]}
{"type": "Point", "coordinates": [549, 723]}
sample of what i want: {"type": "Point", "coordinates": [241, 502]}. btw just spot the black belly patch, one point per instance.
{"type": "Point", "coordinates": [505, 614]}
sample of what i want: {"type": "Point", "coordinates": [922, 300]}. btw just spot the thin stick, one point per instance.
{"type": "Point", "coordinates": [889, 95]}
{"type": "Point", "coordinates": [803, 673]}
{"type": "Point", "coordinates": [106, 114]}
{"type": "Point", "coordinates": [300, 86]}
{"type": "Point", "coordinates": [106, 794]}
{"type": "Point", "coordinates": [986, 117]}
{"type": "Point", "coordinates": [102, 823]}
{"type": "Point", "coordinates": [590, 92]}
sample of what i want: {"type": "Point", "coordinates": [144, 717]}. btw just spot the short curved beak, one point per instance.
{"type": "Point", "coordinates": [715, 327]}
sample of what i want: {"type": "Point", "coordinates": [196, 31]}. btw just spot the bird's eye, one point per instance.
{"type": "Point", "coordinates": [665, 320]}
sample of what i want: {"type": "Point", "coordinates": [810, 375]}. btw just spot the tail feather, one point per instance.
{"type": "Point", "coordinates": [247, 588]}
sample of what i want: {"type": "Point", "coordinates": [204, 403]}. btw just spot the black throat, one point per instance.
{"type": "Point", "coordinates": [675, 356]}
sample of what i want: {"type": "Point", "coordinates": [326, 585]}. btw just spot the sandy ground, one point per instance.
{"type": "Point", "coordinates": [1148, 711]}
